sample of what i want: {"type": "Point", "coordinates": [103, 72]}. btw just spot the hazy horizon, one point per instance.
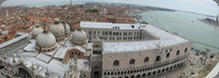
{"type": "Point", "coordinates": [208, 7]}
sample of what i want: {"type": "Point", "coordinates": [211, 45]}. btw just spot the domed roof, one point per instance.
{"type": "Point", "coordinates": [46, 40]}
{"type": "Point", "coordinates": [78, 36]}
{"type": "Point", "coordinates": [67, 28]}
{"type": "Point", "coordinates": [60, 30]}
{"type": "Point", "coordinates": [37, 30]}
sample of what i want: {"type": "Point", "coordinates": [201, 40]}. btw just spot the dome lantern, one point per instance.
{"type": "Point", "coordinates": [56, 21]}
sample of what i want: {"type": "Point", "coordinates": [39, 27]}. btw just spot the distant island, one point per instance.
{"type": "Point", "coordinates": [210, 21]}
{"type": "Point", "coordinates": [142, 7]}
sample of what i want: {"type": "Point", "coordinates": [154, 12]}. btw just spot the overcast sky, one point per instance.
{"type": "Point", "coordinates": [200, 6]}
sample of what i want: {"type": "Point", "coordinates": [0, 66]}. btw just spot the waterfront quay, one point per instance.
{"type": "Point", "coordinates": [198, 66]}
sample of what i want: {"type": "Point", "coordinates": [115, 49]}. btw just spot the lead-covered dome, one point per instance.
{"type": "Point", "coordinates": [37, 30]}
{"type": "Point", "coordinates": [45, 42]}
{"type": "Point", "coordinates": [60, 29]}
{"type": "Point", "coordinates": [79, 37]}
{"type": "Point", "coordinates": [67, 28]}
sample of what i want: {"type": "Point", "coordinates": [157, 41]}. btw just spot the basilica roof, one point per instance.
{"type": "Point", "coordinates": [43, 61]}
{"type": "Point", "coordinates": [39, 62]}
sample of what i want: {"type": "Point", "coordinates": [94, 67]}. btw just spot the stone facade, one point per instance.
{"type": "Point", "coordinates": [142, 67]}
{"type": "Point", "coordinates": [138, 63]}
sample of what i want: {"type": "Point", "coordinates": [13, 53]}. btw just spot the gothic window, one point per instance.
{"type": "Point", "coordinates": [158, 71]}
{"type": "Point", "coordinates": [106, 32]}
{"type": "Point", "coordinates": [94, 32]}
{"type": "Point", "coordinates": [90, 32]}
{"type": "Point", "coordinates": [96, 73]}
{"type": "Point", "coordinates": [129, 38]}
{"type": "Point", "coordinates": [178, 51]}
{"type": "Point", "coordinates": [185, 50]}
{"type": "Point", "coordinates": [154, 72]}
{"type": "Point", "coordinates": [167, 55]}
{"type": "Point", "coordinates": [124, 38]}
{"type": "Point", "coordinates": [130, 33]}
{"type": "Point", "coordinates": [146, 59]}
{"type": "Point", "coordinates": [96, 52]}
{"type": "Point", "coordinates": [149, 74]}
{"type": "Point", "coordinates": [125, 33]}
{"type": "Point", "coordinates": [118, 38]}
{"type": "Point", "coordinates": [132, 61]}
{"type": "Point", "coordinates": [166, 50]}
{"type": "Point", "coordinates": [158, 58]}
{"type": "Point", "coordinates": [116, 63]}
{"type": "Point", "coordinates": [110, 33]}
{"type": "Point", "coordinates": [73, 53]}
{"type": "Point", "coordinates": [114, 33]}
{"type": "Point", "coordinates": [163, 69]}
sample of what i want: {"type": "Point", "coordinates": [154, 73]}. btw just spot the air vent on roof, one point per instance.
{"type": "Point", "coordinates": [133, 26]}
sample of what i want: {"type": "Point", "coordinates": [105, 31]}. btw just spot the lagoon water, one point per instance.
{"type": "Point", "coordinates": [186, 25]}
